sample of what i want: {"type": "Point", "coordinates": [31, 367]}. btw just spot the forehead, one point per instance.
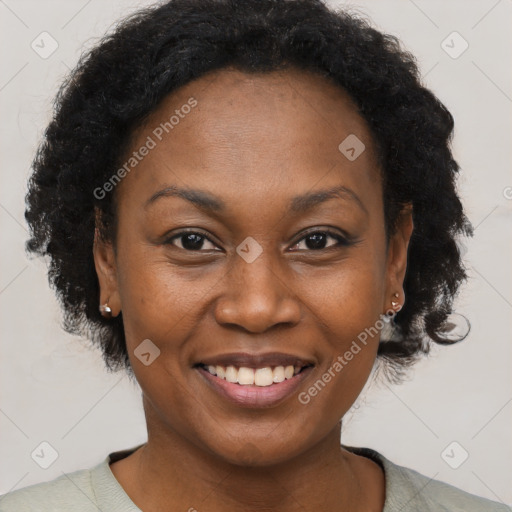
{"type": "Point", "coordinates": [233, 132]}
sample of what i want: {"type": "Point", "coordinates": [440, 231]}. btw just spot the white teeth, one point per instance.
{"type": "Point", "coordinates": [279, 374]}
{"type": "Point", "coordinates": [231, 374]}
{"type": "Point", "coordinates": [249, 377]}
{"type": "Point", "coordinates": [246, 376]}
{"type": "Point", "coordinates": [263, 377]}
{"type": "Point", "coordinates": [288, 372]}
{"type": "Point", "coordinates": [219, 370]}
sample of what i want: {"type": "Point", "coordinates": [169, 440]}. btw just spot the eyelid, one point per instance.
{"type": "Point", "coordinates": [343, 239]}
{"type": "Point", "coordinates": [334, 232]}
{"type": "Point", "coordinates": [195, 231]}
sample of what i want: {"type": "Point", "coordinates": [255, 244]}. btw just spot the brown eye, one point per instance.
{"type": "Point", "coordinates": [191, 241]}
{"type": "Point", "coordinates": [317, 240]}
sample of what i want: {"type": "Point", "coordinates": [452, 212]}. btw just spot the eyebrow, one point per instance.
{"type": "Point", "coordinates": [211, 204]}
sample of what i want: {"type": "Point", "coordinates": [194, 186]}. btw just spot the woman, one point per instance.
{"type": "Point", "coordinates": [247, 204]}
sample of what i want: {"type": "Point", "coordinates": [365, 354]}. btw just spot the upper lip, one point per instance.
{"type": "Point", "coordinates": [247, 360]}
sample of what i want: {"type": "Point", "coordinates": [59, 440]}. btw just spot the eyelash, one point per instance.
{"type": "Point", "coordinates": [341, 240]}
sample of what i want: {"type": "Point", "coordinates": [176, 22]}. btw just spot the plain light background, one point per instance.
{"type": "Point", "coordinates": [55, 389]}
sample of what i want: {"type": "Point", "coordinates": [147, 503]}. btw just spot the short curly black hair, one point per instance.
{"type": "Point", "coordinates": [153, 52]}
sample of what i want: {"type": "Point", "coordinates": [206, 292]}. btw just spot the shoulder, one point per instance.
{"type": "Point", "coordinates": [68, 492]}
{"type": "Point", "coordinates": [439, 496]}
{"type": "Point", "coordinates": [86, 490]}
{"type": "Point", "coordinates": [406, 489]}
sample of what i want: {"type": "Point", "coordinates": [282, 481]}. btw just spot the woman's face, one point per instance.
{"type": "Point", "coordinates": [266, 179]}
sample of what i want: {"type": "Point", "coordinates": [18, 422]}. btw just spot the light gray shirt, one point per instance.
{"type": "Point", "coordinates": [96, 489]}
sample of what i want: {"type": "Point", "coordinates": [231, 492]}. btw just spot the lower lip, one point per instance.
{"type": "Point", "coordinates": [254, 396]}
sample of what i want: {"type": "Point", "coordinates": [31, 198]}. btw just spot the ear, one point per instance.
{"type": "Point", "coordinates": [397, 257]}
{"type": "Point", "coordinates": [105, 264]}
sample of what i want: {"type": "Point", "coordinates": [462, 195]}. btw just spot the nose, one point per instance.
{"type": "Point", "coordinates": [257, 296]}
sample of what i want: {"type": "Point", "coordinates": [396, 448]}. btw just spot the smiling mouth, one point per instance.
{"type": "Point", "coordinates": [262, 377]}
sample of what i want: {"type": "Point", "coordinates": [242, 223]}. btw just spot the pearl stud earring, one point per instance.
{"type": "Point", "coordinates": [396, 305]}
{"type": "Point", "coordinates": [105, 309]}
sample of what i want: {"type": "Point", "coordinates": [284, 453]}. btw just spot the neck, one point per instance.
{"type": "Point", "coordinates": [169, 472]}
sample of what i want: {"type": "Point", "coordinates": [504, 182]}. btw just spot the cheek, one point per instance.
{"type": "Point", "coordinates": [350, 351]}
{"type": "Point", "coordinates": [346, 299]}
{"type": "Point", "coordinates": [346, 308]}
{"type": "Point", "coordinates": [159, 300]}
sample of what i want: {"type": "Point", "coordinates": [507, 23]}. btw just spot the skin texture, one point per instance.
{"type": "Point", "coordinates": [253, 141]}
